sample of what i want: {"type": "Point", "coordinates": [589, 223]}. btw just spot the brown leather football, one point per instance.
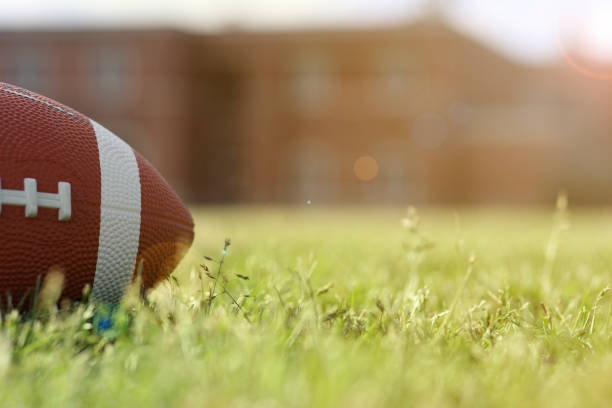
{"type": "Point", "coordinates": [76, 198]}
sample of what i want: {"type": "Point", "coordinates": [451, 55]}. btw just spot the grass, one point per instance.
{"type": "Point", "coordinates": [343, 307]}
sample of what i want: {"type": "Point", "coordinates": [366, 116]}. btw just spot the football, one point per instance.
{"type": "Point", "coordinates": [77, 199]}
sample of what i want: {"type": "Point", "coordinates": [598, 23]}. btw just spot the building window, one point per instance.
{"type": "Point", "coordinates": [398, 87]}
{"type": "Point", "coordinates": [399, 176]}
{"type": "Point", "coordinates": [391, 82]}
{"type": "Point", "coordinates": [315, 173]}
{"type": "Point", "coordinates": [393, 178]}
{"type": "Point", "coordinates": [311, 85]}
{"type": "Point", "coordinates": [30, 68]}
{"type": "Point", "coordinates": [108, 67]}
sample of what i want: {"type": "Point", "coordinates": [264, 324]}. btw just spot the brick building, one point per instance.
{"type": "Point", "coordinates": [282, 116]}
{"type": "Point", "coordinates": [136, 83]}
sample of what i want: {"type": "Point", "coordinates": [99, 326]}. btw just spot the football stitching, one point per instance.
{"type": "Point", "coordinates": [32, 199]}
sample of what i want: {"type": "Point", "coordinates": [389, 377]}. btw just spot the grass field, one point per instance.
{"type": "Point", "coordinates": [345, 307]}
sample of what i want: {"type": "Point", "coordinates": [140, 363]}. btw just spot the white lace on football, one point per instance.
{"type": "Point", "coordinates": [32, 199]}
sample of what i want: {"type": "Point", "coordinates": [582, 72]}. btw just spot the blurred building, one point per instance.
{"type": "Point", "coordinates": [136, 83]}
{"type": "Point", "coordinates": [282, 117]}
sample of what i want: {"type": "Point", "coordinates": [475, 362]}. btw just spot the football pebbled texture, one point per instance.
{"type": "Point", "coordinates": [77, 199]}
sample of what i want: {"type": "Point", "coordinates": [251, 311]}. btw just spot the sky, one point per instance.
{"type": "Point", "coordinates": [534, 31]}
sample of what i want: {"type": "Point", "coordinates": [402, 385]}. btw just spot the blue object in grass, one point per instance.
{"type": "Point", "coordinates": [110, 321]}
{"type": "Point", "coordinates": [104, 324]}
